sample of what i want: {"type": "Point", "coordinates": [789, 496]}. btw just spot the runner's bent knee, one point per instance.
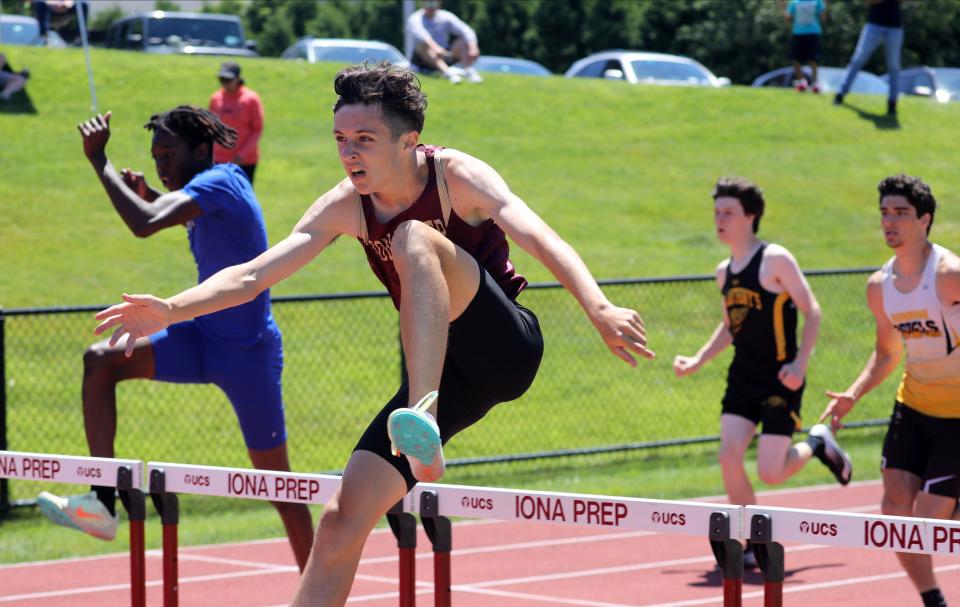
{"type": "Point", "coordinates": [414, 238]}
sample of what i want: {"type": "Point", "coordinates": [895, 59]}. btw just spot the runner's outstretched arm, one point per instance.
{"type": "Point", "coordinates": [883, 360]}
{"type": "Point", "coordinates": [142, 315]}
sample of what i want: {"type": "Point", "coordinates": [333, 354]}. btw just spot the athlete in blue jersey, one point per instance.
{"type": "Point", "coordinates": [238, 349]}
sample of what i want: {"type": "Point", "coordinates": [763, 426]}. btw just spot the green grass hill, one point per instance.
{"type": "Point", "coordinates": [623, 172]}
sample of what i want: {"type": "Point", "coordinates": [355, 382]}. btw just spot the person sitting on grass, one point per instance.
{"type": "Point", "coordinates": [10, 82]}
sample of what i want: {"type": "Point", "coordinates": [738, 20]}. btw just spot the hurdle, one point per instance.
{"type": "Point", "coordinates": [169, 479]}
{"type": "Point", "coordinates": [719, 523]}
{"type": "Point", "coordinates": [770, 527]}
{"type": "Point", "coordinates": [123, 474]}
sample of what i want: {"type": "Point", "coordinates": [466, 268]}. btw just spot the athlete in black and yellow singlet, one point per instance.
{"type": "Point", "coordinates": [765, 381]}
{"type": "Point", "coordinates": [763, 325]}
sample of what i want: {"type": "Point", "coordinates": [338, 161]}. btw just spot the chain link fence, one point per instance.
{"type": "Point", "coordinates": [342, 362]}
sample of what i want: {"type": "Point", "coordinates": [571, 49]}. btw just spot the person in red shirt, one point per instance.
{"type": "Point", "coordinates": [239, 107]}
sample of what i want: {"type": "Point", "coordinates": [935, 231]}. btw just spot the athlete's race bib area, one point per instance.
{"type": "Point", "coordinates": [523, 548]}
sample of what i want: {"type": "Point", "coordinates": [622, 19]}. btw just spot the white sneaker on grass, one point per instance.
{"type": "Point", "coordinates": [473, 75]}
{"type": "Point", "coordinates": [414, 433]}
{"type": "Point", "coordinates": [82, 512]}
{"type": "Point", "coordinates": [454, 77]}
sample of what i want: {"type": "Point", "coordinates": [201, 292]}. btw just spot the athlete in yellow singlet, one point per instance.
{"type": "Point", "coordinates": [915, 298]}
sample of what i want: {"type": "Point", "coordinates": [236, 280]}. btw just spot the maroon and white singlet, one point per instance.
{"type": "Point", "coordinates": [485, 242]}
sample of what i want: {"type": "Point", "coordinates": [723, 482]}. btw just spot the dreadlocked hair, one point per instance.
{"type": "Point", "coordinates": [195, 125]}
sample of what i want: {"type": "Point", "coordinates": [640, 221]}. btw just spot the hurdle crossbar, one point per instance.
{"type": "Point", "coordinates": [862, 531]}
{"type": "Point", "coordinates": [169, 479]}
{"type": "Point", "coordinates": [125, 475]}
{"type": "Point", "coordinates": [605, 512]}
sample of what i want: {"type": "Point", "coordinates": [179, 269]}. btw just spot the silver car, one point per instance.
{"type": "Point", "coordinates": [638, 67]}
{"type": "Point", "coordinates": [510, 65]}
{"type": "Point", "coordinates": [829, 78]}
{"type": "Point", "coordinates": [941, 83]}
{"type": "Point", "coordinates": [344, 50]}
{"type": "Point", "coordinates": [25, 31]}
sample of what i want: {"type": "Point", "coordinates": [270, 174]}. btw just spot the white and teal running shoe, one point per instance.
{"type": "Point", "coordinates": [414, 432]}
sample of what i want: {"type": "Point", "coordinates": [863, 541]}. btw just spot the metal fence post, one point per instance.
{"type": "Point", "coordinates": [4, 489]}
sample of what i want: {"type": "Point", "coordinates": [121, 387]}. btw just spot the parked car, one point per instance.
{"type": "Point", "coordinates": [344, 50]}
{"type": "Point", "coordinates": [25, 31]}
{"type": "Point", "coordinates": [645, 68]}
{"type": "Point", "coordinates": [829, 78]}
{"type": "Point", "coordinates": [941, 83]}
{"type": "Point", "coordinates": [181, 33]}
{"type": "Point", "coordinates": [510, 65]}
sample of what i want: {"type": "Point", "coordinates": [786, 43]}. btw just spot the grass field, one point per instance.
{"type": "Point", "coordinates": [623, 173]}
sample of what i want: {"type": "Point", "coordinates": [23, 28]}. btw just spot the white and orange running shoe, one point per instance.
{"type": "Point", "coordinates": [82, 512]}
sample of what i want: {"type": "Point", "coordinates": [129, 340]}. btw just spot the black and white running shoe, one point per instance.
{"type": "Point", "coordinates": [832, 456]}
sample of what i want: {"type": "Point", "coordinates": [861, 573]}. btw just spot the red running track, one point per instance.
{"type": "Point", "coordinates": [506, 565]}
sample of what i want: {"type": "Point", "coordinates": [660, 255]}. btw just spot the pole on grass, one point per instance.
{"type": "Point", "coordinates": [86, 51]}
{"type": "Point", "coordinates": [409, 7]}
{"type": "Point", "coordinates": [4, 490]}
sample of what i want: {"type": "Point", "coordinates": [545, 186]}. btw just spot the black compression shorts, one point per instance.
{"type": "Point", "coordinates": [758, 395]}
{"type": "Point", "coordinates": [493, 353]}
{"type": "Point", "coordinates": [805, 48]}
{"type": "Point", "coordinates": [926, 446]}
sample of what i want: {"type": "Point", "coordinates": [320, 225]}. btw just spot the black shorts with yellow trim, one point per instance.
{"type": "Point", "coordinates": [926, 446]}
{"type": "Point", "coordinates": [756, 394]}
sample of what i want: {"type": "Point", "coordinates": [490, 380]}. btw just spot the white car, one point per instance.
{"type": "Point", "coordinates": [344, 50]}
{"type": "Point", "coordinates": [645, 68]}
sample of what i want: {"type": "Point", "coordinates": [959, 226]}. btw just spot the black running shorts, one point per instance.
{"type": "Point", "coordinates": [493, 353]}
{"type": "Point", "coordinates": [805, 48]}
{"type": "Point", "coordinates": [926, 446]}
{"type": "Point", "coordinates": [757, 394]}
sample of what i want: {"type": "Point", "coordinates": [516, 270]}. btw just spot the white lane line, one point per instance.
{"type": "Point", "coordinates": [150, 584]}
{"type": "Point", "coordinates": [807, 587]}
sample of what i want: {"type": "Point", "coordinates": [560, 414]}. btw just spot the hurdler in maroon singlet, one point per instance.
{"type": "Point", "coordinates": [485, 242]}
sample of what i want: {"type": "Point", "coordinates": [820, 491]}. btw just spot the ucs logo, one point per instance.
{"type": "Point", "coordinates": [824, 529]}
{"type": "Point", "coordinates": [669, 518]}
{"type": "Point", "coordinates": [477, 503]}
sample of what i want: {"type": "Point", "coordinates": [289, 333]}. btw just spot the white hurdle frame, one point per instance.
{"type": "Point", "coordinates": [123, 474]}
{"type": "Point", "coordinates": [720, 523]}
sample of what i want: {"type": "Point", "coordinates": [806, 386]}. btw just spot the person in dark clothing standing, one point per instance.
{"type": "Point", "coordinates": [884, 26]}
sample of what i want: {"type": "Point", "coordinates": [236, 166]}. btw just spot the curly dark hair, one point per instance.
{"type": "Point", "coordinates": [916, 192]}
{"type": "Point", "coordinates": [396, 90]}
{"type": "Point", "coordinates": [195, 125]}
{"type": "Point", "coordinates": [744, 190]}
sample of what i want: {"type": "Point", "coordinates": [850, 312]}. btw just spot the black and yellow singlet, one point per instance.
{"type": "Point", "coordinates": [763, 323]}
